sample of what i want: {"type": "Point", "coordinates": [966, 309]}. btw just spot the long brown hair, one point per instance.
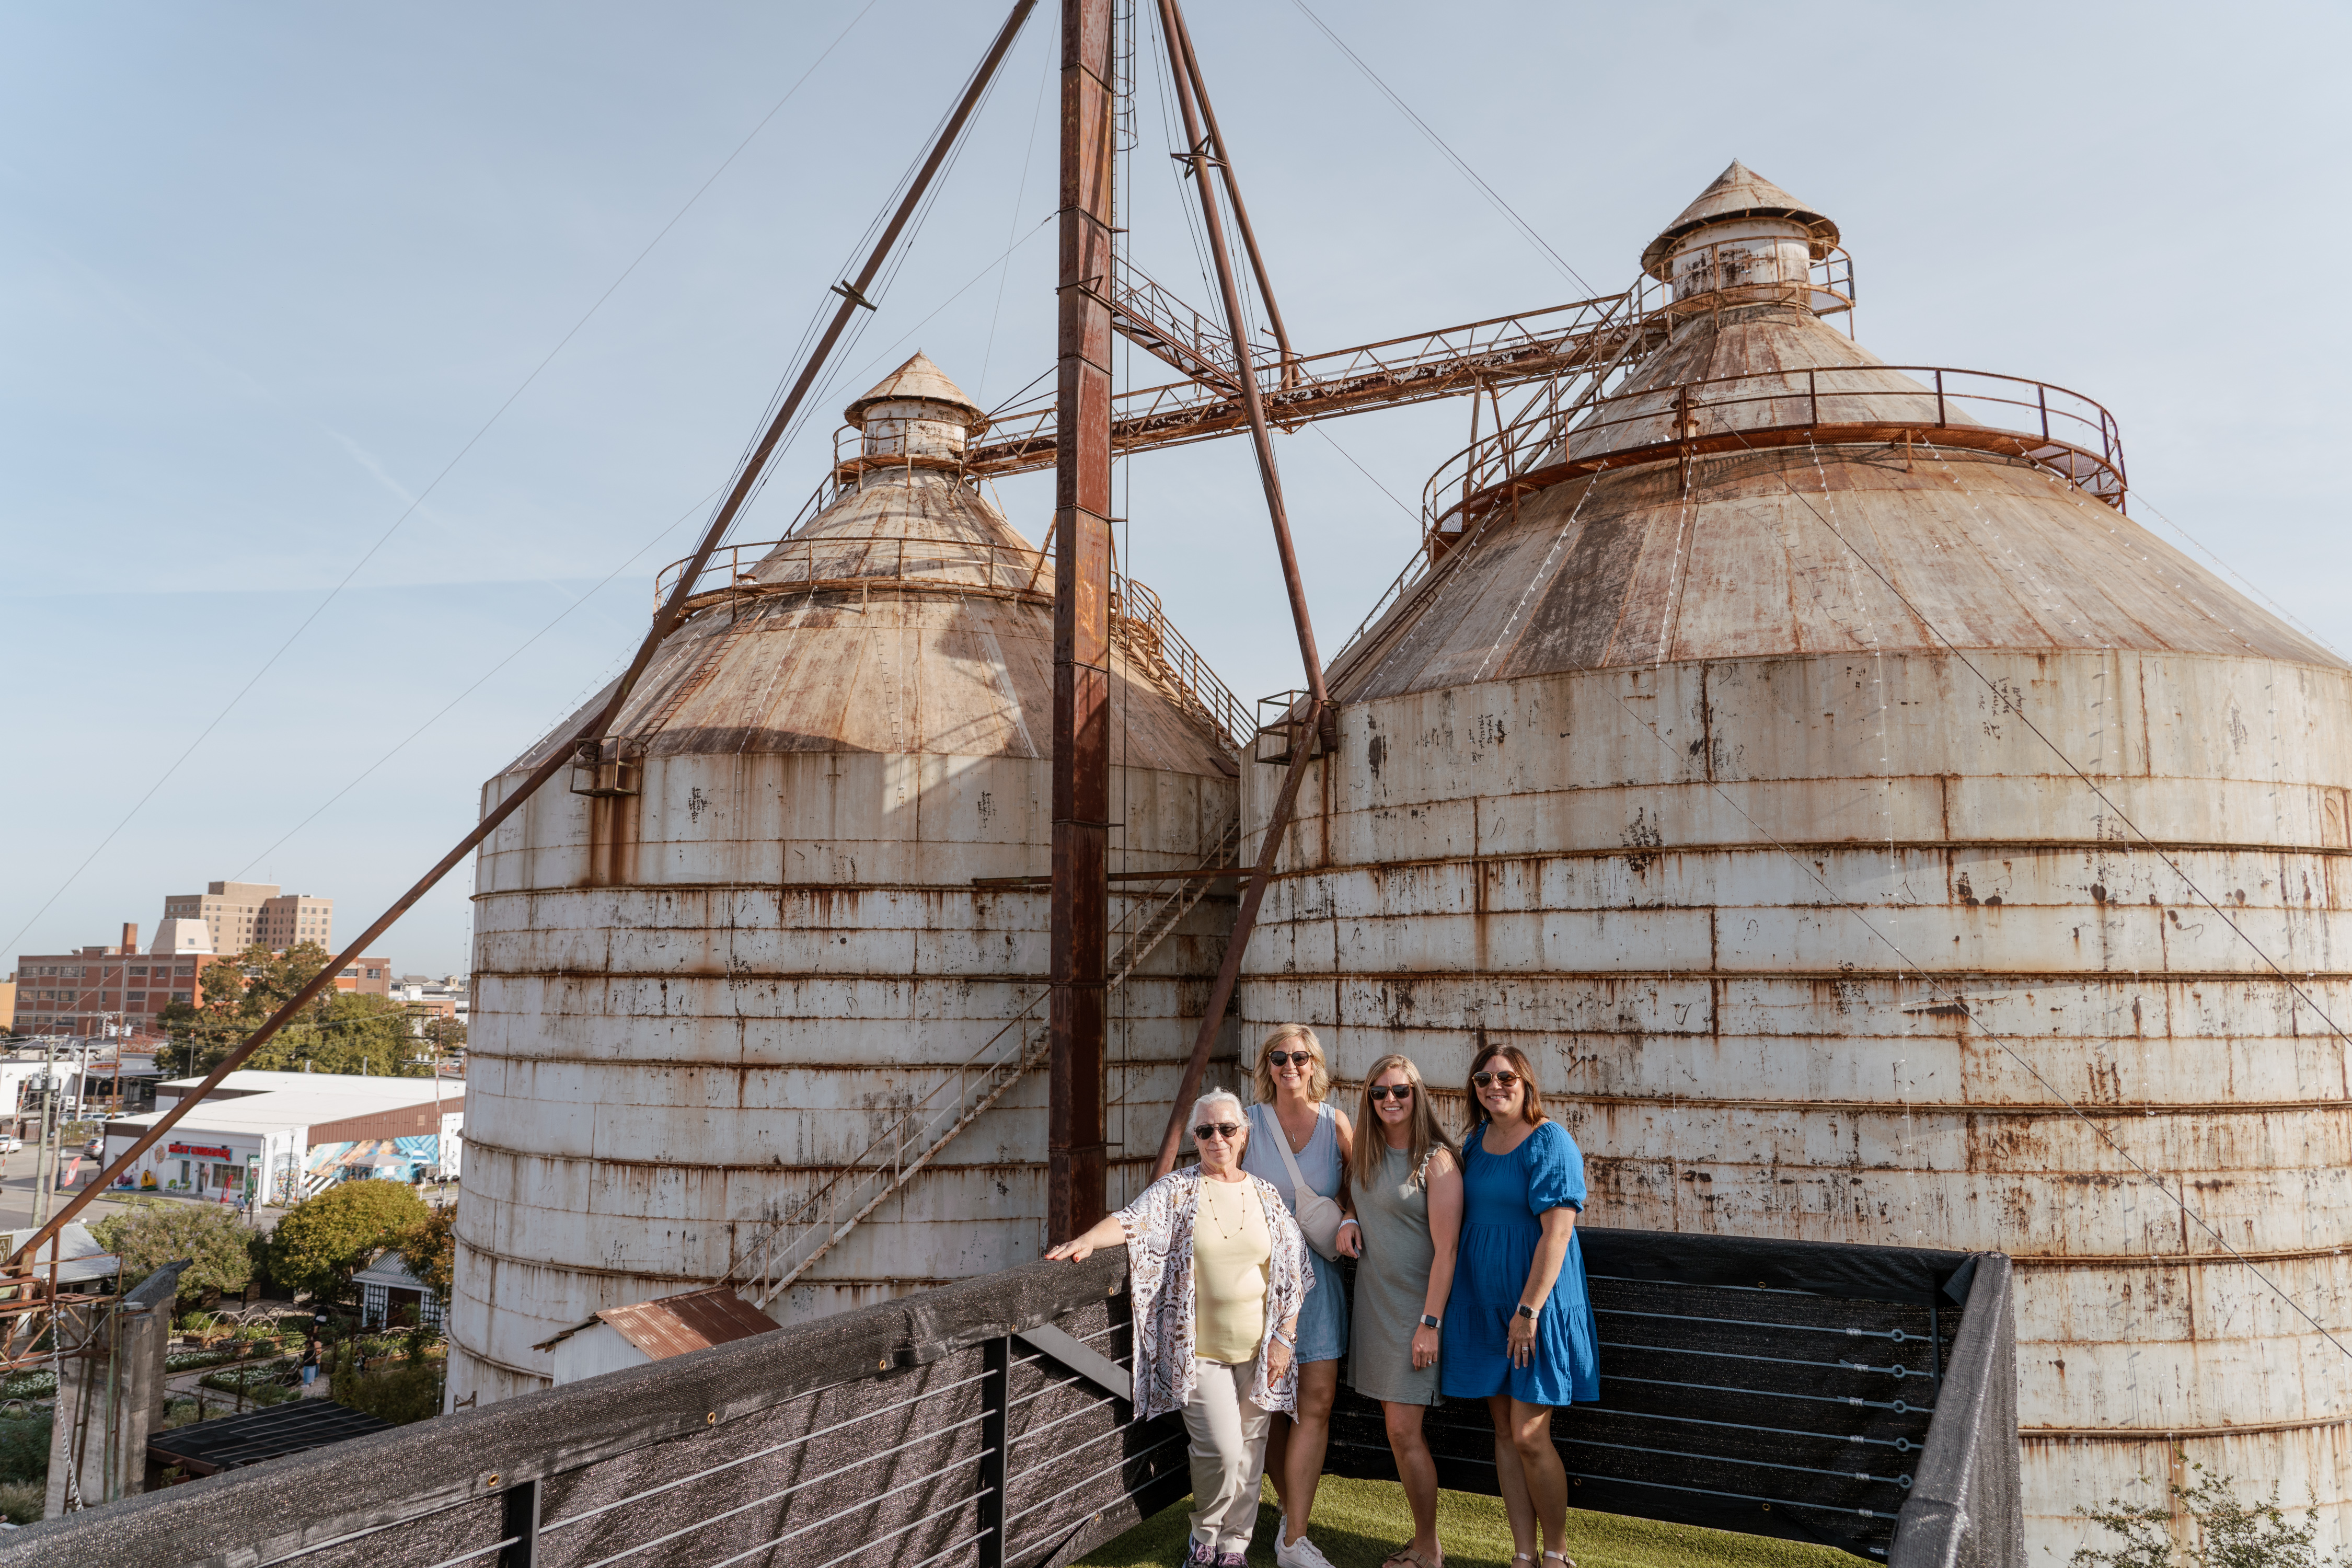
{"type": "Point", "coordinates": [1372, 1144]}
{"type": "Point", "coordinates": [1532, 1105]}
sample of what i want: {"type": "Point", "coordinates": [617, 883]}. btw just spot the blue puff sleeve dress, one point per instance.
{"type": "Point", "coordinates": [1504, 1197]}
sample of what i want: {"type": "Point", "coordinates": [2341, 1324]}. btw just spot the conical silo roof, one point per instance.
{"type": "Point", "coordinates": [907, 616]}
{"type": "Point", "coordinates": [1738, 192]}
{"type": "Point", "coordinates": [917, 379]}
{"type": "Point", "coordinates": [1794, 548]}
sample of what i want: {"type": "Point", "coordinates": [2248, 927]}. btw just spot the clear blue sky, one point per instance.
{"type": "Point", "coordinates": [266, 271]}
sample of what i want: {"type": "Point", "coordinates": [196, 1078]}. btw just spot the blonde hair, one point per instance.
{"type": "Point", "coordinates": [1319, 1082]}
{"type": "Point", "coordinates": [1372, 1144]}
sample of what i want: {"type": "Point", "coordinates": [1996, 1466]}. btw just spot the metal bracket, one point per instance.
{"type": "Point", "coordinates": [1092, 1365]}
{"type": "Point", "coordinates": [850, 292]}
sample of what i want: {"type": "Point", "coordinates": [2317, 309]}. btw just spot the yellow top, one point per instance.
{"type": "Point", "coordinates": [1231, 1250]}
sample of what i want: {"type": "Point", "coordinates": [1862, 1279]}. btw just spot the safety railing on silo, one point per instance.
{"type": "Point", "coordinates": [1854, 1397]}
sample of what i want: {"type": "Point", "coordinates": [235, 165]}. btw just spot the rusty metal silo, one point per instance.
{"type": "Point", "coordinates": [741, 1011]}
{"type": "Point", "coordinates": [1809, 762]}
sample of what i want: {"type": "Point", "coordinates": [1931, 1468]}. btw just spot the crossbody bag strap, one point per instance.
{"type": "Point", "coordinates": [1298, 1187]}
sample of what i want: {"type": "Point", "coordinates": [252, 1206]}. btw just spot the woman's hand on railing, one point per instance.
{"type": "Point", "coordinates": [1078, 1248]}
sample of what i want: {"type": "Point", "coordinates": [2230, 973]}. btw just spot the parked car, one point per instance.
{"type": "Point", "coordinates": [10, 1143]}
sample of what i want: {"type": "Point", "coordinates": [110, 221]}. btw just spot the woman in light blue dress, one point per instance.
{"type": "Point", "coordinates": [1292, 1078]}
{"type": "Point", "coordinates": [1520, 1334]}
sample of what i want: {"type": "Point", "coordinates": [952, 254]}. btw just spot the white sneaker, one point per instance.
{"type": "Point", "coordinates": [1301, 1553]}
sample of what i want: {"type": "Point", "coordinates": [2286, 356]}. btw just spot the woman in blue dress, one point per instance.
{"type": "Point", "coordinates": [1292, 1078]}
{"type": "Point", "coordinates": [1519, 1333]}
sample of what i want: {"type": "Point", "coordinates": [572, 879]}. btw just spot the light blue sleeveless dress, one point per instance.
{"type": "Point", "coordinates": [1323, 1320]}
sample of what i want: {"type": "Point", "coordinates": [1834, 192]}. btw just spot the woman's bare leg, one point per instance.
{"type": "Point", "coordinates": [1277, 1449]}
{"type": "Point", "coordinates": [1543, 1475]}
{"type": "Point", "coordinates": [1416, 1469]}
{"type": "Point", "coordinates": [1510, 1479]}
{"type": "Point", "coordinates": [1303, 1446]}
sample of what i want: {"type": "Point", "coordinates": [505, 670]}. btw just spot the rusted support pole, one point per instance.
{"type": "Point", "coordinates": [1307, 735]}
{"type": "Point", "coordinates": [1074, 1155]}
{"type": "Point", "coordinates": [1229, 971]}
{"type": "Point", "coordinates": [1183, 43]}
{"type": "Point", "coordinates": [663, 623]}
{"type": "Point", "coordinates": [1253, 405]}
{"type": "Point", "coordinates": [853, 300]}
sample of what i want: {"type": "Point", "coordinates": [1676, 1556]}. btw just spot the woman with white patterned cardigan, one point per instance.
{"type": "Point", "coordinates": [1218, 1270]}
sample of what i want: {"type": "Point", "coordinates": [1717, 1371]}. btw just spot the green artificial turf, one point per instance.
{"type": "Point", "coordinates": [1359, 1523]}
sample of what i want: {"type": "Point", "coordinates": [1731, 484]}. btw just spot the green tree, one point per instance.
{"type": "Point", "coordinates": [322, 1241]}
{"type": "Point", "coordinates": [152, 1232]}
{"type": "Point", "coordinates": [430, 1250]}
{"type": "Point", "coordinates": [446, 1036]}
{"type": "Point", "coordinates": [338, 1031]}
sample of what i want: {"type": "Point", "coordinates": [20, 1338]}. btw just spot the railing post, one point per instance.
{"type": "Point", "coordinates": [1813, 393]}
{"type": "Point", "coordinates": [1939, 400]}
{"type": "Point", "coordinates": [519, 1525]}
{"type": "Point", "coordinates": [2042, 394]}
{"type": "Point", "coordinates": [995, 1401]}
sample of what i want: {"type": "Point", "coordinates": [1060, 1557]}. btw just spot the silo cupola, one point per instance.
{"type": "Point", "coordinates": [1745, 240]}
{"type": "Point", "coordinates": [916, 413]}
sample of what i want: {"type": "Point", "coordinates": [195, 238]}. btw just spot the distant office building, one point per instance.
{"type": "Point", "coordinates": [83, 992]}
{"type": "Point", "coordinates": [237, 914]}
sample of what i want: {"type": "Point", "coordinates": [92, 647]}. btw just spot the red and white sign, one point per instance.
{"type": "Point", "coordinates": [199, 1150]}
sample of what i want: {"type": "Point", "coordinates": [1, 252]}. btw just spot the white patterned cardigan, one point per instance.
{"type": "Point", "coordinates": [1159, 1225]}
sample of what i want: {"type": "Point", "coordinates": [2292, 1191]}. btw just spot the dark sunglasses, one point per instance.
{"type": "Point", "coordinates": [1208, 1129]}
{"type": "Point", "coordinates": [1502, 1079]}
{"type": "Point", "coordinates": [1403, 1091]}
{"type": "Point", "coordinates": [1284, 1058]}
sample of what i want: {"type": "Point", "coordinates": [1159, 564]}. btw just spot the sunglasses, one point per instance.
{"type": "Point", "coordinates": [1402, 1091]}
{"type": "Point", "coordinates": [1284, 1058]}
{"type": "Point", "coordinates": [1208, 1129]}
{"type": "Point", "coordinates": [1495, 1079]}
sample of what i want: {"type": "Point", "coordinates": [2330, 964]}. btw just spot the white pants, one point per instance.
{"type": "Point", "coordinates": [1228, 1452]}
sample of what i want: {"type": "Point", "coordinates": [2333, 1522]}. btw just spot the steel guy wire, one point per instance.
{"type": "Point", "coordinates": [2280, 610]}
{"type": "Point", "coordinates": [1940, 993]}
{"type": "Point", "coordinates": [1020, 194]}
{"type": "Point", "coordinates": [1317, 426]}
{"type": "Point", "coordinates": [1469, 174]}
{"type": "Point", "coordinates": [518, 652]}
{"type": "Point", "coordinates": [2017, 707]}
{"type": "Point", "coordinates": [304, 624]}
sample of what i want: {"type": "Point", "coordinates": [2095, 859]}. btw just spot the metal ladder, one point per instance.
{"type": "Point", "coordinates": [790, 1245]}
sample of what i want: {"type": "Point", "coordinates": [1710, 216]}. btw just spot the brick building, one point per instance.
{"type": "Point", "coordinates": [80, 993]}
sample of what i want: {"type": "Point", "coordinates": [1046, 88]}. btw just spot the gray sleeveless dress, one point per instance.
{"type": "Point", "coordinates": [1392, 1283]}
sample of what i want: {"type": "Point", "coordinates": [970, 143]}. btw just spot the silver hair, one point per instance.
{"type": "Point", "coordinates": [1218, 1097]}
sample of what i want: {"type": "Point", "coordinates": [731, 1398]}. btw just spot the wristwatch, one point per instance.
{"type": "Point", "coordinates": [1429, 1322]}
{"type": "Point", "coordinates": [1526, 1311]}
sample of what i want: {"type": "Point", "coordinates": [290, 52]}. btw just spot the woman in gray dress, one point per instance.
{"type": "Point", "coordinates": [1406, 1180]}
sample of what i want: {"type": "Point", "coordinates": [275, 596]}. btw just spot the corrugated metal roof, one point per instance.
{"type": "Point", "coordinates": [1738, 192]}
{"type": "Point", "coordinates": [695, 1320]}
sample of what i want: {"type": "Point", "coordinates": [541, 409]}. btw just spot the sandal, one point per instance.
{"type": "Point", "coordinates": [1406, 1557]}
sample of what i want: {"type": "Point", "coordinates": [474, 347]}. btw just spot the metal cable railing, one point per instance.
{"type": "Point", "coordinates": [987, 1424]}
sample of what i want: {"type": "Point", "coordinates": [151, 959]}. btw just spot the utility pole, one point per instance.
{"type": "Point", "coordinates": [41, 1176]}
{"type": "Point", "coordinates": [1075, 1156]}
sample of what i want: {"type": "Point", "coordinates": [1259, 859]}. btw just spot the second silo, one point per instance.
{"type": "Point", "coordinates": [735, 984]}
{"type": "Point", "coordinates": [1831, 792]}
